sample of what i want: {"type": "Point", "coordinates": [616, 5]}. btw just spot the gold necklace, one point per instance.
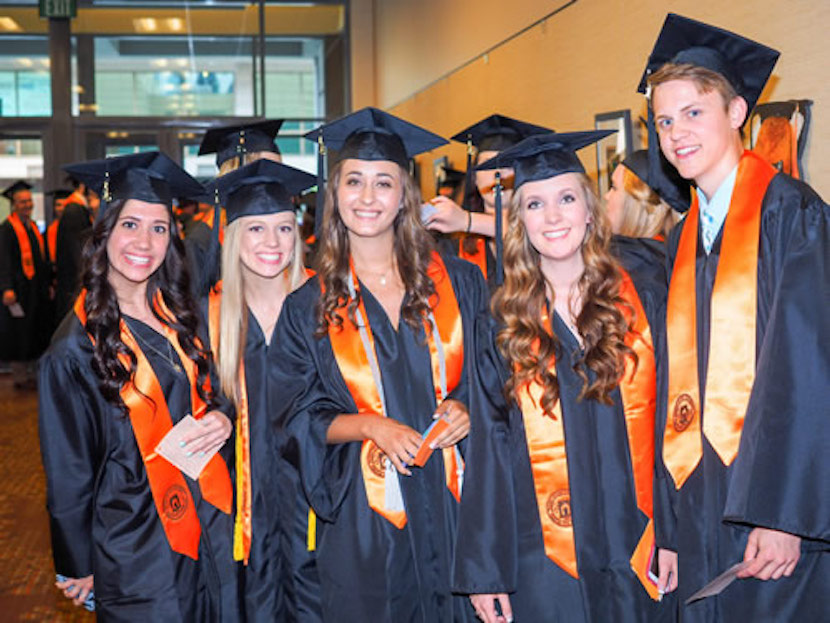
{"type": "Point", "coordinates": [168, 357]}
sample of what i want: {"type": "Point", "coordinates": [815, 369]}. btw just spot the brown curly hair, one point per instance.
{"type": "Point", "coordinates": [524, 341]}
{"type": "Point", "coordinates": [413, 254]}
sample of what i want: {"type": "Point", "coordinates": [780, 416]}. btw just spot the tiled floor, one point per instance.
{"type": "Point", "coordinates": [27, 591]}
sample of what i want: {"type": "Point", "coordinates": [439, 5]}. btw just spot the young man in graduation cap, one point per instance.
{"type": "Point", "coordinates": [745, 436]}
{"type": "Point", "coordinates": [24, 284]}
{"type": "Point", "coordinates": [234, 146]}
{"type": "Point", "coordinates": [484, 140]}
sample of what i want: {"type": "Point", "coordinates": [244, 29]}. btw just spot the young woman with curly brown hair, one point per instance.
{"type": "Point", "coordinates": [556, 520]}
{"type": "Point", "coordinates": [370, 353]}
{"type": "Point", "coordinates": [121, 372]}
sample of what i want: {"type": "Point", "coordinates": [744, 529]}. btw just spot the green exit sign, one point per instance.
{"type": "Point", "coordinates": [58, 8]}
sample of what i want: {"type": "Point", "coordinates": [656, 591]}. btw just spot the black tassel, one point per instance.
{"type": "Point", "coordinates": [499, 243]}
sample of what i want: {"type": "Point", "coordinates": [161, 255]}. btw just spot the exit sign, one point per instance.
{"type": "Point", "coordinates": [58, 8]}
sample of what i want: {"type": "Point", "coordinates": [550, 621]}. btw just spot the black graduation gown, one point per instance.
{"type": "Point", "coordinates": [24, 339]}
{"type": "Point", "coordinates": [73, 231]}
{"type": "Point", "coordinates": [369, 570]}
{"type": "Point", "coordinates": [500, 544]}
{"type": "Point", "coordinates": [102, 515]}
{"type": "Point", "coordinates": [280, 582]}
{"type": "Point", "coordinates": [204, 269]}
{"type": "Point", "coordinates": [780, 476]}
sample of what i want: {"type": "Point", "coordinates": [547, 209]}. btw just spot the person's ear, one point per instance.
{"type": "Point", "coordinates": [737, 111]}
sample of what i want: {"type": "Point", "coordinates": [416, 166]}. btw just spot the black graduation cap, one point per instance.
{"type": "Point", "coordinates": [16, 187]}
{"type": "Point", "coordinates": [372, 134]}
{"type": "Point", "coordinates": [497, 133]}
{"type": "Point", "coordinates": [236, 140]}
{"type": "Point", "coordinates": [148, 176]}
{"type": "Point", "coordinates": [545, 155]}
{"type": "Point", "coordinates": [368, 134]}
{"type": "Point", "coordinates": [744, 63]}
{"type": "Point", "coordinates": [538, 157]}
{"type": "Point", "coordinates": [667, 183]}
{"type": "Point", "coordinates": [262, 187]}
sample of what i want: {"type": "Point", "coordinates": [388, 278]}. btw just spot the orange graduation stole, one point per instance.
{"type": "Point", "coordinates": [478, 257]}
{"type": "Point", "coordinates": [731, 366]}
{"type": "Point", "coordinates": [353, 361]}
{"type": "Point", "coordinates": [27, 260]}
{"type": "Point", "coordinates": [546, 445]}
{"type": "Point", "coordinates": [52, 240]}
{"type": "Point", "coordinates": [151, 421]}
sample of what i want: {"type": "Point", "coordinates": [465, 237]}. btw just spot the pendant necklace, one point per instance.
{"type": "Point", "coordinates": [168, 357]}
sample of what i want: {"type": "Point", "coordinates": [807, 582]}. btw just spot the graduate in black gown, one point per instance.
{"type": "Point", "coordinates": [121, 371]}
{"type": "Point", "coordinates": [234, 146]}
{"type": "Point", "coordinates": [371, 352]}
{"type": "Point", "coordinates": [556, 518]}
{"type": "Point", "coordinates": [73, 231]}
{"type": "Point", "coordinates": [745, 437]}
{"type": "Point", "coordinates": [475, 223]}
{"type": "Point", "coordinates": [25, 277]}
{"type": "Point", "coordinates": [261, 264]}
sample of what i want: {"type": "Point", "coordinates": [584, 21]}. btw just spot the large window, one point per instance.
{"type": "Point", "coordinates": [25, 86]}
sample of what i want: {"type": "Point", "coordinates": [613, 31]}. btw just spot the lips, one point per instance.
{"type": "Point", "coordinates": [137, 260]}
{"type": "Point", "coordinates": [367, 213]}
{"type": "Point", "coordinates": [556, 234]}
{"type": "Point", "coordinates": [685, 152]}
{"type": "Point", "coordinates": [270, 258]}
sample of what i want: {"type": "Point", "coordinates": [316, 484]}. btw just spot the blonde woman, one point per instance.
{"type": "Point", "coordinates": [260, 268]}
{"type": "Point", "coordinates": [641, 207]}
{"type": "Point", "coordinates": [556, 522]}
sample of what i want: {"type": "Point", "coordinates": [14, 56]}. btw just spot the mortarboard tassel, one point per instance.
{"type": "Point", "coordinates": [499, 243]}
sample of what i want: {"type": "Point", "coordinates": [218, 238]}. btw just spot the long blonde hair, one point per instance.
{"type": "Point", "coordinates": [644, 214]}
{"type": "Point", "coordinates": [233, 309]}
{"type": "Point", "coordinates": [518, 303]}
{"type": "Point", "coordinates": [232, 164]}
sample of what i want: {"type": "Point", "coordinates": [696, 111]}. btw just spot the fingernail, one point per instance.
{"type": "Point", "coordinates": [182, 444]}
{"type": "Point", "coordinates": [202, 453]}
{"type": "Point", "coordinates": [189, 454]}
{"type": "Point", "coordinates": [432, 446]}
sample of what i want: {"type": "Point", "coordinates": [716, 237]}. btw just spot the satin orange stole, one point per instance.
{"type": "Point", "coordinates": [151, 421]}
{"type": "Point", "coordinates": [479, 257]}
{"type": "Point", "coordinates": [27, 259]}
{"type": "Point", "coordinates": [546, 443]}
{"type": "Point", "coordinates": [731, 366]}
{"type": "Point", "coordinates": [52, 240]}
{"type": "Point", "coordinates": [353, 363]}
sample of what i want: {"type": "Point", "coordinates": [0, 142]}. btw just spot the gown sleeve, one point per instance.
{"type": "Point", "coordinates": [70, 442]}
{"type": "Point", "coordinates": [486, 558]}
{"type": "Point", "coordinates": [781, 474]}
{"type": "Point", "coordinates": [300, 371]}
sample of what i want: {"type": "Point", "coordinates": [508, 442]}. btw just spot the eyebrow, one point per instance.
{"type": "Point", "coordinates": [360, 173]}
{"type": "Point", "coordinates": [684, 109]}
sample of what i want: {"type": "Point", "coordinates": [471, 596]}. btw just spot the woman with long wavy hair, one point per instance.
{"type": "Point", "coordinates": [556, 521]}
{"type": "Point", "coordinates": [261, 264]}
{"type": "Point", "coordinates": [122, 372]}
{"type": "Point", "coordinates": [371, 353]}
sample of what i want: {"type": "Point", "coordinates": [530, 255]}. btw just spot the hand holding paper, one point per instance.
{"type": "Point", "coordinates": [174, 447]}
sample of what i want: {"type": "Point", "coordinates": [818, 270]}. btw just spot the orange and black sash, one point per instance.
{"type": "Point", "coordinates": [353, 361]}
{"type": "Point", "coordinates": [731, 367]}
{"type": "Point", "coordinates": [52, 240]}
{"type": "Point", "coordinates": [151, 421]}
{"type": "Point", "coordinates": [27, 259]}
{"type": "Point", "coordinates": [547, 447]}
{"type": "Point", "coordinates": [478, 257]}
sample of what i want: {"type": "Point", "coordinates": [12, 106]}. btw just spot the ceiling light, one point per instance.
{"type": "Point", "coordinates": [159, 62]}
{"type": "Point", "coordinates": [7, 24]}
{"type": "Point", "coordinates": [176, 24]}
{"type": "Point", "coordinates": [25, 62]}
{"type": "Point", "coordinates": [145, 24]}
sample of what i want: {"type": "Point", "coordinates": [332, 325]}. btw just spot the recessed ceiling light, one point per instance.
{"type": "Point", "coordinates": [145, 24]}
{"type": "Point", "coordinates": [7, 24]}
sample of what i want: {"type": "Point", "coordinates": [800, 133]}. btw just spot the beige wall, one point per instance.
{"type": "Point", "coordinates": [585, 59]}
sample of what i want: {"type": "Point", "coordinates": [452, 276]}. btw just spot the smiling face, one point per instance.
{"type": "Point", "coordinates": [266, 244]}
{"type": "Point", "coordinates": [137, 244]}
{"type": "Point", "coordinates": [369, 196]}
{"type": "Point", "coordinates": [699, 135]}
{"type": "Point", "coordinates": [22, 204]}
{"type": "Point", "coordinates": [555, 215]}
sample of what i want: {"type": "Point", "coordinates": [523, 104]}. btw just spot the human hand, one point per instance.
{"type": "Point", "coordinates": [76, 589]}
{"type": "Point", "coordinates": [456, 415]}
{"type": "Point", "coordinates": [485, 607]}
{"type": "Point", "coordinates": [215, 429]}
{"type": "Point", "coordinates": [667, 565]}
{"type": "Point", "coordinates": [9, 298]}
{"type": "Point", "coordinates": [448, 218]}
{"type": "Point", "coordinates": [397, 441]}
{"type": "Point", "coordinates": [774, 554]}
